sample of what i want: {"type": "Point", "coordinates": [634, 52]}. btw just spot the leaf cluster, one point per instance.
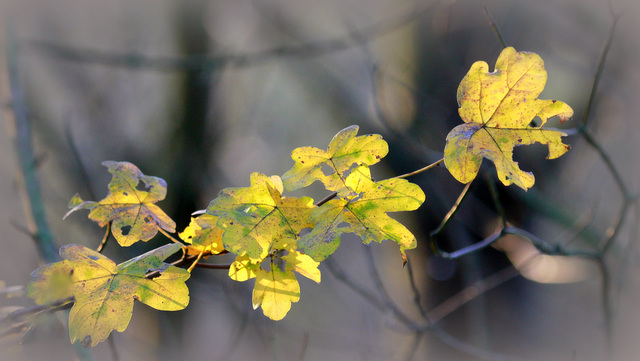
{"type": "Point", "coordinates": [275, 237]}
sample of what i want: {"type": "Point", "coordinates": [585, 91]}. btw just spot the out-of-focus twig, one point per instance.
{"type": "Point", "coordinates": [17, 116]}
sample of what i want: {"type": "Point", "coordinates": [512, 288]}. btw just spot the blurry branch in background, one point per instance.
{"type": "Point", "coordinates": [209, 63]}
{"type": "Point", "coordinates": [18, 121]}
{"type": "Point", "coordinates": [382, 301]}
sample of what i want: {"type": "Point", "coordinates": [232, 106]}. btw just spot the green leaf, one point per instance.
{"type": "Point", "coordinates": [104, 292]}
{"type": "Point", "coordinates": [363, 211]}
{"type": "Point", "coordinates": [129, 205]}
{"type": "Point", "coordinates": [254, 219]}
{"type": "Point", "coordinates": [497, 109]}
{"type": "Point", "coordinates": [345, 152]}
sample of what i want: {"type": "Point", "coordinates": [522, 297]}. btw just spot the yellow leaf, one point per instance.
{"type": "Point", "coordinates": [363, 213]}
{"type": "Point", "coordinates": [275, 290]}
{"type": "Point", "coordinates": [242, 269]}
{"type": "Point", "coordinates": [498, 108]}
{"type": "Point", "coordinates": [104, 292]}
{"type": "Point", "coordinates": [303, 264]}
{"type": "Point", "coordinates": [129, 205]}
{"type": "Point", "coordinates": [203, 235]}
{"type": "Point", "coordinates": [254, 219]}
{"type": "Point", "coordinates": [345, 151]}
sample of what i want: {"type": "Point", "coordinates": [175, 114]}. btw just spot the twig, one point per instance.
{"type": "Point", "coordinates": [471, 292]}
{"type": "Point", "coordinates": [326, 199]}
{"type": "Point", "coordinates": [496, 200]}
{"type": "Point", "coordinates": [432, 165]}
{"type": "Point", "coordinates": [493, 26]}
{"type": "Point", "coordinates": [387, 300]}
{"type": "Point", "coordinates": [599, 71]}
{"type": "Point", "coordinates": [169, 236]}
{"type": "Point", "coordinates": [104, 239]}
{"type": "Point", "coordinates": [417, 298]}
{"type": "Point", "coordinates": [445, 220]}
{"type": "Point", "coordinates": [19, 116]}
{"type": "Point", "coordinates": [607, 161]}
{"type": "Point", "coordinates": [303, 348]}
{"type": "Point", "coordinates": [208, 63]}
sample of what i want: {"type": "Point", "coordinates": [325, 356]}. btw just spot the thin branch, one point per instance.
{"type": "Point", "coordinates": [471, 292]}
{"type": "Point", "coordinates": [387, 300]}
{"type": "Point", "coordinates": [104, 239]}
{"type": "Point", "coordinates": [417, 298]}
{"type": "Point", "coordinates": [341, 276]}
{"type": "Point", "coordinates": [472, 248]}
{"type": "Point", "coordinates": [617, 176]}
{"type": "Point", "coordinates": [496, 200]}
{"type": "Point", "coordinates": [19, 116]}
{"type": "Point", "coordinates": [432, 165]}
{"type": "Point", "coordinates": [209, 63]}
{"type": "Point", "coordinates": [447, 218]}
{"type": "Point", "coordinates": [494, 27]}
{"type": "Point", "coordinates": [213, 266]}
{"type": "Point", "coordinates": [607, 309]}
{"type": "Point", "coordinates": [169, 236]}
{"type": "Point", "coordinates": [23, 314]}
{"type": "Point", "coordinates": [303, 348]}
{"type": "Point", "coordinates": [326, 199]}
{"type": "Point", "coordinates": [599, 71]}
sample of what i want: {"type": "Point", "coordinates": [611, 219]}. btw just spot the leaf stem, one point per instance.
{"type": "Point", "coordinates": [104, 239]}
{"type": "Point", "coordinates": [326, 199]}
{"type": "Point", "coordinates": [169, 236]}
{"type": "Point", "coordinates": [195, 262]}
{"type": "Point", "coordinates": [432, 165]}
{"type": "Point", "coordinates": [453, 210]}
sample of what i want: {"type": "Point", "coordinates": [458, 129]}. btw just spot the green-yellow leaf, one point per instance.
{"type": "Point", "coordinates": [129, 205]}
{"type": "Point", "coordinates": [203, 235]}
{"type": "Point", "coordinates": [254, 219]}
{"type": "Point", "coordinates": [104, 292]}
{"type": "Point", "coordinates": [345, 151]}
{"type": "Point", "coordinates": [497, 109]}
{"type": "Point", "coordinates": [363, 213]}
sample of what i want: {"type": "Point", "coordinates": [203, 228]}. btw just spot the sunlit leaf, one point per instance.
{"type": "Point", "coordinates": [255, 218]}
{"type": "Point", "coordinates": [203, 235]}
{"type": "Point", "coordinates": [364, 213]}
{"type": "Point", "coordinates": [345, 151]}
{"type": "Point", "coordinates": [129, 205]}
{"type": "Point", "coordinates": [104, 292]}
{"type": "Point", "coordinates": [277, 287]}
{"type": "Point", "coordinates": [497, 109]}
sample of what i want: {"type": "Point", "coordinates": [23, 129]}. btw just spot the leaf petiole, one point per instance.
{"type": "Point", "coordinates": [104, 239]}
{"type": "Point", "coordinates": [432, 165]}
{"type": "Point", "coordinates": [169, 236]}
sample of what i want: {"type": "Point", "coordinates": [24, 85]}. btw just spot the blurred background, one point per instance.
{"type": "Point", "coordinates": [203, 93]}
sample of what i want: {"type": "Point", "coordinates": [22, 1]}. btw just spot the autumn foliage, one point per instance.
{"type": "Point", "coordinates": [276, 238]}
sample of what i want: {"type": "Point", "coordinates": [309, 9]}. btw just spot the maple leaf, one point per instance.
{"type": "Point", "coordinates": [497, 109]}
{"type": "Point", "coordinates": [129, 205]}
{"type": "Point", "coordinates": [104, 292]}
{"type": "Point", "coordinates": [345, 151]}
{"type": "Point", "coordinates": [362, 209]}
{"type": "Point", "coordinates": [203, 236]}
{"type": "Point", "coordinates": [276, 287]}
{"type": "Point", "coordinates": [256, 217]}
